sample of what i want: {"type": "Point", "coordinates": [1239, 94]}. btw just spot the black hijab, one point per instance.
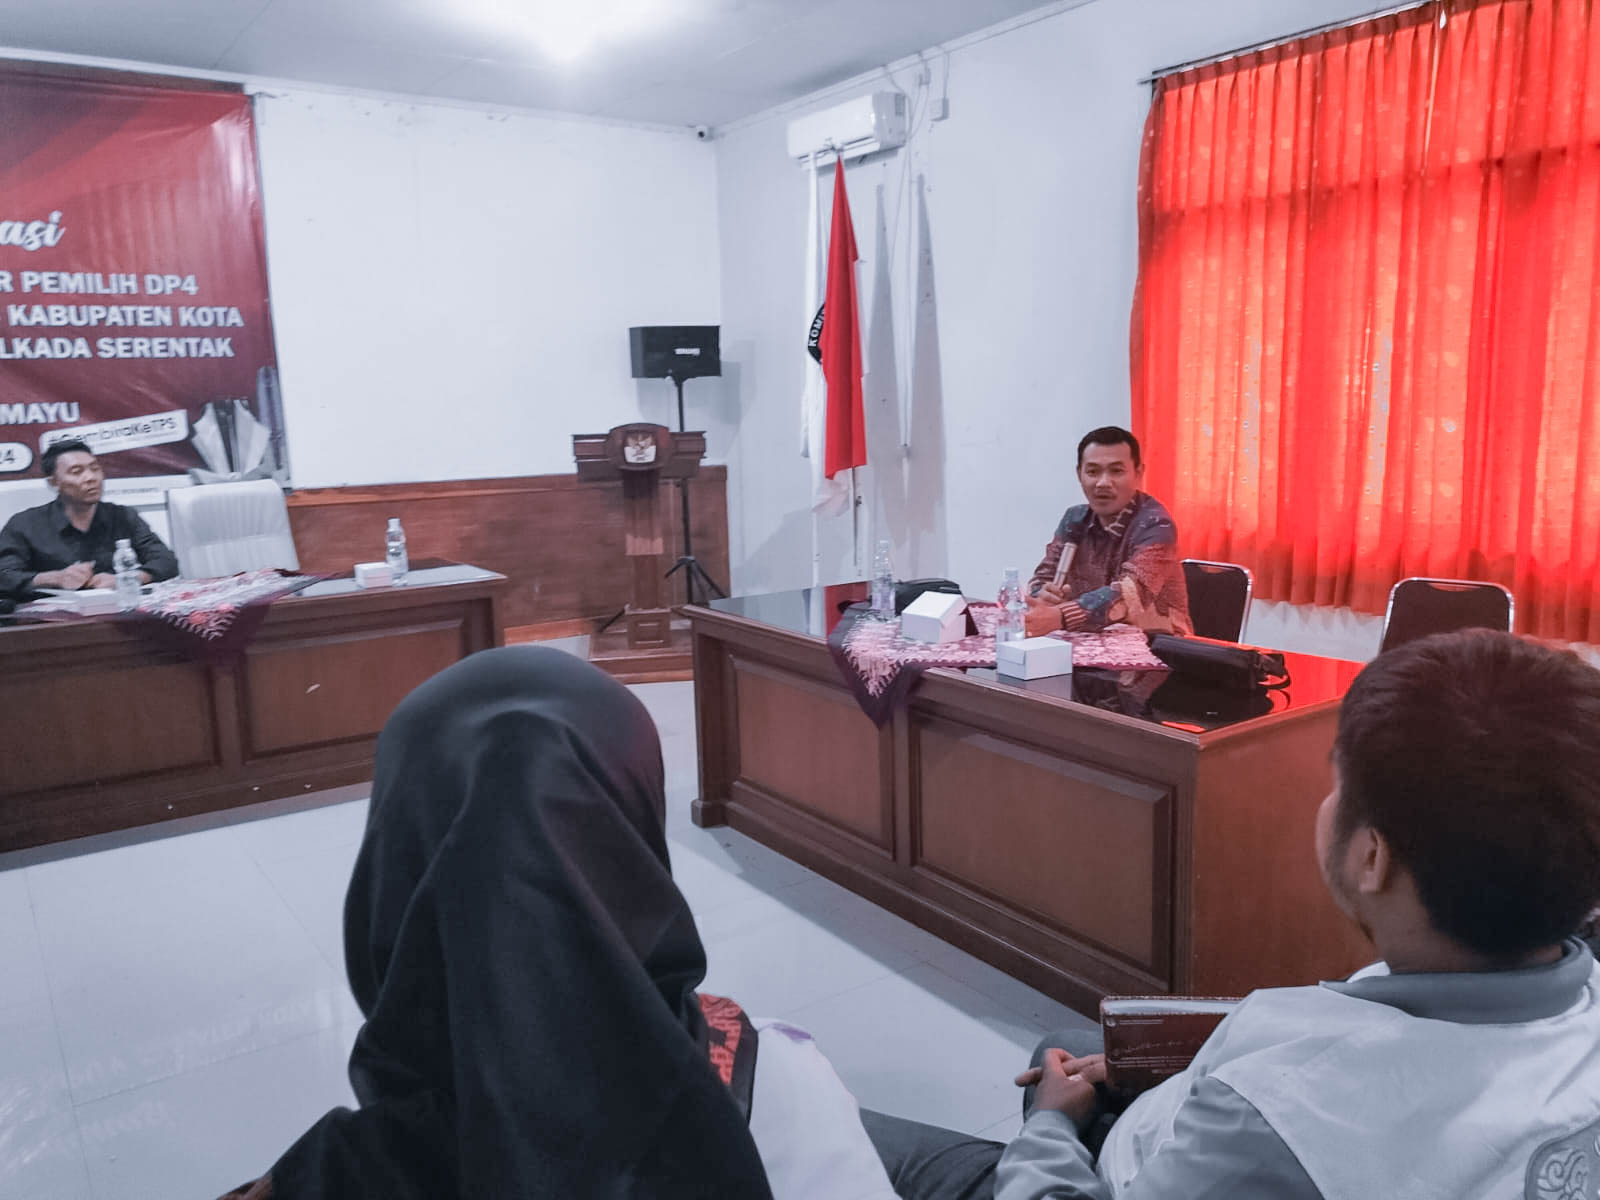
{"type": "Point", "coordinates": [524, 961]}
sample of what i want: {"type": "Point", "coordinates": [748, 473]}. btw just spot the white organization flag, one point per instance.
{"type": "Point", "coordinates": [829, 497]}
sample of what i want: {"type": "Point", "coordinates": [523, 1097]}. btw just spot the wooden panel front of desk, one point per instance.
{"type": "Point", "coordinates": [1084, 852]}
{"type": "Point", "coordinates": [101, 731]}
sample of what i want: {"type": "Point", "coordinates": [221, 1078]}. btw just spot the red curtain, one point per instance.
{"type": "Point", "coordinates": [1366, 336]}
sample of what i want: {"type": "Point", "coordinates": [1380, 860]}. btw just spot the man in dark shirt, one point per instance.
{"type": "Point", "coordinates": [69, 542]}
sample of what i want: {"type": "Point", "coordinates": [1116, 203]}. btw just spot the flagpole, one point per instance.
{"type": "Point", "coordinates": [855, 527]}
{"type": "Point", "coordinates": [837, 430]}
{"type": "Point", "coordinates": [813, 249]}
{"type": "Point", "coordinates": [816, 552]}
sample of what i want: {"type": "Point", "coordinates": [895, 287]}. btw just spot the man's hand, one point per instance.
{"type": "Point", "coordinates": [1052, 593]}
{"type": "Point", "coordinates": [103, 580]}
{"type": "Point", "coordinates": [1066, 1084]}
{"type": "Point", "coordinates": [1041, 619]}
{"type": "Point", "coordinates": [68, 579]}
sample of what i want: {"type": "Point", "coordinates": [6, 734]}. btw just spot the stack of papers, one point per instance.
{"type": "Point", "coordinates": [86, 602]}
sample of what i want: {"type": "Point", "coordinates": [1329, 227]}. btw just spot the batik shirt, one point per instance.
{"type": "Point", "coordinates": [1125, 569]}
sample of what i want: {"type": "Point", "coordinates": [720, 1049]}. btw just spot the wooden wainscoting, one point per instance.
{"type": "Point", "coordinates": [558, 541]}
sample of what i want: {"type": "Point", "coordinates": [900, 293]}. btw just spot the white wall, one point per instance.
{"type": "Point", "coordinates": [452, 285]}
{"type": "Point", "coordinates": [1031, 239]}
{"type": "Point", "coordinates": [452, 288]}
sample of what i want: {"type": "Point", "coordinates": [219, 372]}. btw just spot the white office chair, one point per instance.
{"type": "Point", "coordinates": [224, 528]}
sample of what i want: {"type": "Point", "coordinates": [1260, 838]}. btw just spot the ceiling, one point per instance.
{"type": "Point", "coordinates": [680, 62]}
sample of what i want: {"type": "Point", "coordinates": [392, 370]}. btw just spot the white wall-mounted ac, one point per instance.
{"type": "Point", "coordinates": [861, 126]}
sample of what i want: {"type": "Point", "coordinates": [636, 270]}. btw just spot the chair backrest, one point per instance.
{"type": "Point", "coordinates": [223, 528]}
{"type": "Point", "coordinates": [1219, 598]}
{"type": "Point", "coordinates": [1418, 607]}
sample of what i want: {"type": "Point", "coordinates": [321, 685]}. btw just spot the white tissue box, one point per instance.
{"type": "Point", "coordinates": [1033, 658]}
{"type": "Point", "coordinates": [935, 617]}
{"type": "Point", "coordinates": [374, 574]}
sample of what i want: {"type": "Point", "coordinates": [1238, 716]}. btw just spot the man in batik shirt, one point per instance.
{"type": "Point", "coordinates": [1114, 559]}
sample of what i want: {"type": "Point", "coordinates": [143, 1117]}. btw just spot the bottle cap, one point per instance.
{"type": "Point", "coordinates": [394, 522]}
{"type": "Point", "coordinates": [124, 544]}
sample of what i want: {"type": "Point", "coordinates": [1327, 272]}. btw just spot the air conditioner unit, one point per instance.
{"type": "Point", "coordinates": [861, 126]}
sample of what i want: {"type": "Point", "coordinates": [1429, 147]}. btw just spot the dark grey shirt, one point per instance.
{"type": "Point", "coordinates": [1223, 1148]}
{"type": "Point", "coordinates": [42, 539]}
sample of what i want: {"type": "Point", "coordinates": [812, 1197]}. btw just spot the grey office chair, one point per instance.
{"type": "Point", "coordinates": [1219, 598]}
{"type": "Point", "coordinates": [1419, 606]}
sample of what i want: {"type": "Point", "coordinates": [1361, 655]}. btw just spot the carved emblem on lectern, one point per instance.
{"type": "Point", "coordinates": [639, 447]}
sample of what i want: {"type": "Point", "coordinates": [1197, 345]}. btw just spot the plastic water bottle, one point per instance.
{"type": "Point", "coordinates": [395, 552]}
{"type": "Point", "coordinates": [883, 584]}
{"type": "Point", "coordinates": [126, 564]}
{"type": "Point", "coordinates": [1012, 625]}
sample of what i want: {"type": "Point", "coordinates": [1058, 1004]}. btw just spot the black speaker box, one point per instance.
{"type": "Point", "coordinates": [684, 351]}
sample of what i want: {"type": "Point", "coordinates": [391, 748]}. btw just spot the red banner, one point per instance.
{"type": "Point", "coordinates": [134, 311]}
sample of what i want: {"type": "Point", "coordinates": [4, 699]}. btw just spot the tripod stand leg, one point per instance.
{"type": "Point", "coordinates": [704, 577]}
{"type": "Point", "coordinates": [688, 582]}
{"type": "Point", "coordinates": [696, 579]}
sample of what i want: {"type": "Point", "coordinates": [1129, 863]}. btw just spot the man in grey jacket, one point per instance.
{"type": "Point", "coordinates": [1463, 837]}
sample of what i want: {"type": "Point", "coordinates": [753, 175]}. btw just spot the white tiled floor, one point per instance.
{"type": "Point", "coordinates": [173, 1012]}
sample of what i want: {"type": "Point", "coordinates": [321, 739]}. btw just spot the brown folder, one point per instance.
{"type": "Point", "coordinates": [1151, 1038]}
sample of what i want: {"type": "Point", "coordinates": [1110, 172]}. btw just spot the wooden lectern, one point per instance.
{"type": "Point", "coordinates": [641, 456]}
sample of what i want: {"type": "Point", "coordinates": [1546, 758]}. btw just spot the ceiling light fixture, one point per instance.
{"type": "Point", "coordinates": [565, 30]}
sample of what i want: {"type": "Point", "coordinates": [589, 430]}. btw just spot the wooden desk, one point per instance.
{"type": "Point", "coordinates": [100, 731]}
{"type": "Point", "coordinates": [1081, 837]}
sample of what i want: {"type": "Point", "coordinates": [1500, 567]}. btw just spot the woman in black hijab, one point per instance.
{"type": "Point", "coordinates": [525, 964]}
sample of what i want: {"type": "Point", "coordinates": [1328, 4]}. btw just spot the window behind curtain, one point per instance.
{"type": "Point", "coordinates": [1366, 336]}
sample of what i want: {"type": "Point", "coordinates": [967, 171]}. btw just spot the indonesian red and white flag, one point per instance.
{"type": "Point", "coordinates": [829, 497]}
{"type": "Point", "coordinates": [846, 445]}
